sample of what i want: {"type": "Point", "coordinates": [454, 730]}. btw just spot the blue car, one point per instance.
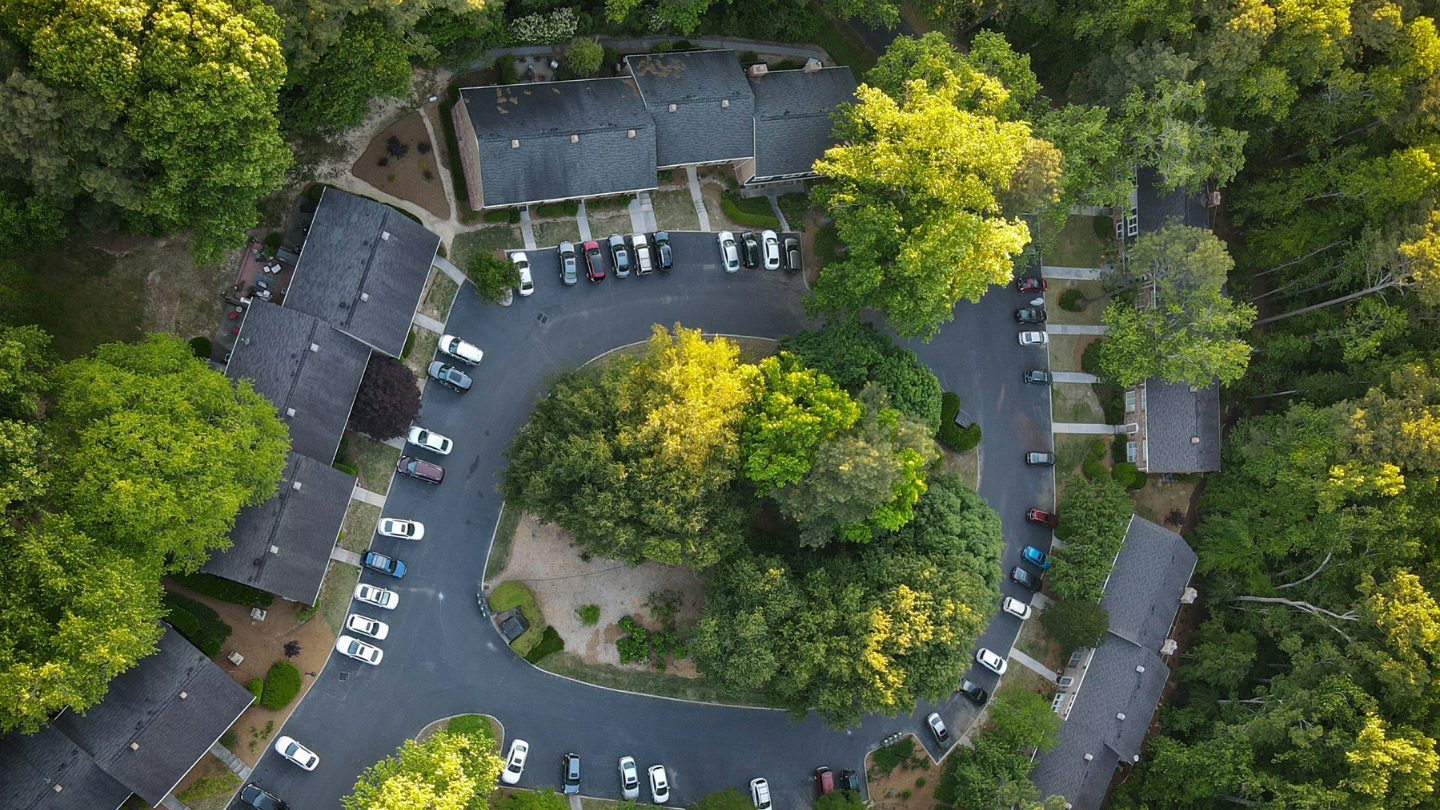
{"type": "Point", "coordinates": [1036, 557]}
{"type": "Point", "coordinates": [385, 565]}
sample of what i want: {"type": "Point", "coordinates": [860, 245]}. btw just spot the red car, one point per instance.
{"type": "Point", "coordinates": [423, 470]}
{"type": "Point", "coordinates": [1028, 284]}
{"type": "Point", "coordinates": [824, 781]}
{"type": "Point", "coordinates": [1047, 519]}
{"type": "Point", "coordinates": [594, 261]}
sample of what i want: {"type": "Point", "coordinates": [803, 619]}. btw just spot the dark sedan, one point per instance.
{"type": "Point", "coordinates": [974, 691]}
{"type": "Point", "coordinates": [449, 376]}
{"type": "Point", "coordinates": [793, 262]}
{"type": "Point", "coordinates": [1030, 315]}
{"type": "Point", "coordinates": [1038, 377]}
{"type": "Point", "coordinates": [750, 249]}
{"type": "Point", "coordinates": [1025, 579]}
{"type": "Point", "coordinates": [662, 251]}
{"type": "Point", "coordinates": [423, 470]}
{"type": "Point", "coordinates": [252, 795]}
{"type": "Point", "coordinates": [385, 565]}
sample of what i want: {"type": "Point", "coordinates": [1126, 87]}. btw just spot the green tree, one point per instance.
{"type": "Point", "coordinates": [584, 56]}
{"type": "Point", "coordinates": [799, 409]}
{"type": "Point", "coordinates": [544, 799]}
{"type": "Point", "coordinates": [448, 771]}
{"type": "Point", "coordinates": [29, 223]}
{"type": "Point", "coordinates": [1094, 516]}
{"type": "Point", "coordinates": [1400, 423]}
{"type": "Point", "coordinates": [493, 276]}
{"type": "Point", "coordinates": [369, 61]}
{"type": "Point", "coordinates": [23, 358]}
{"type": "Point", "coordinates": [994, 774]}
{"type": "Point", "coordinates": [857, 354]}
{"type": "Point", "coordinates": [159, 452]}
{"type": "Point", "coordinates": [1075, 623]}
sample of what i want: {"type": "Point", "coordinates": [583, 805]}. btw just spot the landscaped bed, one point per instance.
{"type": "Point", "coordinates": [359, 527]}
{"type": "Point", "coordinates": [439, 295]}
{"type": "Point", "coordinates": [410, 167]}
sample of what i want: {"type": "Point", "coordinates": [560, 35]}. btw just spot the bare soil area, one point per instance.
{"type": "Point", "coordinates": [547, 560]}
{"type": "Point", "coordinates": [910, 786]}
{"type": "Point", "coordinates": [415, 176]}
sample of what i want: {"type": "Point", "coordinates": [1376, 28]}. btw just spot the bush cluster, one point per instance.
{"type": "Point", "coordinates": [746, 212]}
{"type": "Point", "coordinates": [209, 786]}
{"type": "Point", "coordinates": [961, 440]}
{"type": "Point", "coordinates": [641, 645]}
{"type": "Point", "coordinates": [223, 589]}
{"type": "Point", "coordinates": [208, 633]}
{"type": "Point", "coordinates": [889, 758]}
{"type": "Point", "coordinates": [550, 643]}
{"type": "Point", "coordinates": [282, 684]}
{"type": "Point", "coordinates": [589, 614]}
{"type": "Point", "coordinates": [1072, 300]}
{"type": "Point", "coordinates": [256, 687]}
{"type": "Point", "coordinates": [1128, 474]}
{"type": "Point", "coordinates": [565, 209]}
{"type": "Point", "coordinates": [1093, 518]}
{"type": "Point", "coordinates": [1093, 468]}
{"type": "Point", "coordinates": [510, 215]}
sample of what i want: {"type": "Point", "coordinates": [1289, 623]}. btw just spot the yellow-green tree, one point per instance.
{"type": "Point", "coordinates": [449, 771]}
{"type": "Point", "coordinates": [800, 409]}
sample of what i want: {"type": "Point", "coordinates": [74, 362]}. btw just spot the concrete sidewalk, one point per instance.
{"type": "Point", "coordinates": [448, 268]}
{"type": "Point", "coordinates": [231, 761]}
{"type": "Point", "coordinates": [697, 200]}
{"type": "Point", "coordinates": [426, 322]}
{"type": "Point", "coordinates": [1077, 273]}
{"type": "Point", "coordinates": [1085, 427]}
{"type": "Point", "coordinates": [366, 496]}
{"type": "Point", "coordinates": [1033, 665]}
{"type": "Point", "coordinates": [347, 557]}
{"type": "Point", "coordinates": [1076, 329]}
{"type": "Point", "coordinates": [1074, 377]}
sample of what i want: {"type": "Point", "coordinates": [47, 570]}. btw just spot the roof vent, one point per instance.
{"type": "Point", "coordinates": [514, 143]}
{"type": "Point", "coordinates": [364, 296]}
{"type": "Point", "coordinates": [724, 103]}
{"type": "Point", "coordinates": [756, 71]}
{"type": "Point", "coordinates": [1089, 757]}
{"type": "Point", "coordinates": [1139, 667]}
{"type": "Point", "coordinates": [290, 412]}
{"type": "Point", "coordinates": [314, 347]}
{"type": "Point", "coordinates": [630, 133]}
{"type": "Point", "coordinates": [1189, 596]}
{"type": "Point", "coordinates": [134, 746]}
{"type": "Point", "coordinates": [1135, 758]}
{"type": "Point", "coordinates": [574, 138]}
{"type": "Point", "coordinates": [672, 108]}
{"type": "Point", "coordinates": [1120, 716]}
{"type": "Point", "coordinates": [184, 695]}
{"type": "Point", "coordinates": [1169, 647]}
{"type": "Point", "coordinates": [1194, 439]}
{"type": "Point", "coordinates": [274, 549]}
{"type": "Point", "coordinates": [57, 787]}
{"type": "Point", "coordinates": [296, 486]}
{"type": "Point", "coordinates": [812, 65]}
{"type": "Point", "coordinates": [385, 235]}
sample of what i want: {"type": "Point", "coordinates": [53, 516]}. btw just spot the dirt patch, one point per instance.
{"type": "Point", "coordinates": [415, 176]}
{"type": "Point", "coordinates": [1160, 500]}
{"type": "Point", "coordinates": [965, 465]}
{"type": "Point", "coordinates": [209, 765]}
{"type": "Point", "coordinates": [909, 786]}
{"type": "Point", "coordinates": [547, 560]}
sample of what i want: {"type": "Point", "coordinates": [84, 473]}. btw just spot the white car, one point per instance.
{"type": "Point", "coordinates": [1016, 608]}
{"type": "Point", "coordinates": [467, 353]}
{"type": "Point", "coordinates": [515, 762]}
{"type": "Point", "coordinates": [991, 661]}
{"type": "Point", "coordinates": [643, 262]}
{"type": "Point", "coordinates": [434, 442]}
{"type": "Point", "coordinates": [366, 626]}
{"type": "Point", "coordinates": [359, 650]}
{"type": "Point", "coordinates": [729, 254]}
{"type": "Point", "coordinates": [629, 779]}
{"type": "Point", "coordinates": [403, 529]}
{"type": "Point", "coordinates": [1034, 338]}
{"type": "Point", "coordinates": [659, 785]}
{"type": "Point", "coordinates": [770, 249]}
{"type": "Point", "coordinates": [379, 597]}
{"type": "Point", "coordinates": [760, 794]}
{"type": "Point", "coordinates": [296, 753]}
{"type": "Point", "coordinates": [522, 264]}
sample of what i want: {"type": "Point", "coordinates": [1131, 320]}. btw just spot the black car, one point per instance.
{"type": "Point", "coordinates": [570, 773]}
{"type": "Point", "coordinates": [750, 249]}
{"type": "Point", "coordinates": [449, 376]}
{"type": "Point", "coordinates": [791, 253]}
{"type": "Point", "coordinates": [974, 691]}
{"type": "Point", "coordinates": [1025, 579]}
{"type": "Point", "coordinates": [253, 796]}
{"type": "Point", "coordinates": [662, 251]}
{"type": "Point", "coordinates": [849, 781]}
{"type": "Point", "coordinates": [1038, 377]}
{"type": "Point", "coordinates": [1030, 315]}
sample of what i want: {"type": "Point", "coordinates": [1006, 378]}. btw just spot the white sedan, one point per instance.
{"type": "Point", "coordinates": [515, 762]}
{"type": "Point", "coordinates": [629, 779]}
{"type": "Point", "coordinates": [659, 784]}
{"type": "Point", "coordinates": [1015, 608]}
{"type": "Point", "coordinates": [991, 660]}
{"type": "Point", "coordinates": [403, 529]}
{"type": "Point", "coordinates": [296, 753]}
{"type": "Point", "coordinates": [1034, 338]}
{"type": "Point", "coordinates": [366, 626]}
{"type": "Point", "coordinates": [429, 440]}
{"type": "Point", "coordinates": [522, 267]}
{"type": "Point", "coordinates": [729, 254]}
{"type": "Point", "coordinates": [359, 650]}
{"type": "Point", "coordinates": [770, 249]}
{"type": "Point", "coordinates": [379, 597]}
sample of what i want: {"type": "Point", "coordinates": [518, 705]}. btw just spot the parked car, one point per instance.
{"type": "Point", "coordinates": [824, 781]}
{"type": "Point", "coordinates": [595, 263]}
{"type": "Point", "coordinates": [355, 648]}
{"type": "Point", "coordinates": [1016, 608]}
{"type": "Point", "coordinates": [569, 267]}
{"type": "Point", "coordinates": [1038, 377]}
{"type": "Point", "coordinates": [973, 691]}
{"type": "Point", "coordinates": [770, 249]}
{"type": "Point", "coordinates": [663, 256]}
{"type": "Point", "coordinates": [1035, 557]}
{"type": "Point", "coordinates": [729, 254]}
{"type": "Point", "coordinates": [1047, 519]}
{"type": "Point", "coordinates": [659, 785]}
{"type": "Point", "coordinates": [1030, 315]}
{"type": "Point", "coordinates": [849, 781]}
{"type": "Point", "coordinates": [619, 255]}
{"type": "Point", "coordinates": [434, 442]}
{"type": "Point", "coordinates": [423, 470]}
{"type": "Point", "coordinates": [570, 774]}
{"type": "Point", "coordinates": [1034, 338]}
{"type": "Point", "coordinates": [366, 626]}
{"type": "Point", "coordinates": [991, 660]}
{"type": "Point", "coordinates": [760, 794]}
{"type": "Point", "coordinates": [1024, 578]}
{"type": "Point", "coordinates": [379, 597]}
{"type": "Point", "coordinates": [937, 727]}
{"type": "Point", "coordinates": [256, 798]}
{"type": "Point", "coordinates": [1031, 284]}
{"type": "Point", "coordinates": [376, 561]}
{"type": "Point", "coordinates": [515, 762]}
{"type": "Point", "coordinates": [644, 264]}
{"type": "Point", "coordinates": [793, 261]}
{"type": "Point", "coordinates": [1040, 459]}
{"type": "Point", "coordinates": [629, 779]}
{"type": "Point", "coordinates": [467, 353]}
{"type": "Point", "coordinates": [286, 747]}
{"type": "Point", "coordinates": [449, 376]}
{"type": "Point", "coordinates": [522, 266]}
{"type": "Point", "coordinates": [750, 249]}
{"type": "Point", "coordinates": [403, 529]}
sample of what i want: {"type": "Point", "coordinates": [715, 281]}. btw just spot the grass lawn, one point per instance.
{"type": "Point", "coordinates": [552, 232]}
{"type": "Point", "coordinates": [490, 237]}
{"type": "Point", "coordinates": [359, 527]}
{"type": "Point", "coordinates": [674, 210]}
{"type": "Point", "coordinates": [504, 540]}
{"type": "Point", "coordinates": [844, 45]}
{"type": "Point", "coordinates": [1078, 245]}
{"type": "Point", "coordinates": [1075, 402]}
{"type": "Point", "coordinates": [1023, 677]}
{"type": "Point", "coordinates": [604, 223]}
{"type": "Point", "coordinates": [376, 462]}
{"type": "Point", "coordinates": [1065, 351]}
{"type": "Point", "coordinates": [1070, 450]}
{"type": "Point", "coordinates": [1090, 314]}
{"type": "Point", "coordinates": [514, 594]}
{"type": "Point", "coordinates": [650, 683]}
{"type": "Point", "coordinates": [80, 296]}
{"type": "Point", "coordinates": [439, 295]}
{"type": "Point", "coordinates": [1155, 501]}
{"type": "Point", "coordinates": [422, 351]}
{"type": "Point", "coordinates": [335, 594]}
{"type": "Point", "coordinates": [1035, 643]}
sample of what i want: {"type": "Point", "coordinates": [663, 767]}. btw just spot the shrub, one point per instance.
{"type": "Point", "coordinates": [746, 57]}
{"type": "Point", "coordinates": [184, 622]}
{"type": "Point", "coordinates": [1112, 402]}
{"type": "Point", "coordinates": [409, 345]}
{"type": "Point", "coordinates": [282, 684]}
{"type": "Point", "coordinates": [969, 438]}
{"type": "Point", "coordinates": [1090, 359]}
{"type": "Point", "coordinates": [208, 786]}
{"type": "Point", "coordinates": [730, 203]}
{"type": "Point", "coordinates": [492, 276]}
{"type": "Point", "coordinates": [590, 614]}
{"type": "Point", "coordinates": [889, 758]}
{"type": "Point", "coordinates": [272, 241]}
{"type": "Point", "coordinates": [257, 688]}
{"type": "Point", "coordinates": [230, 739]}
{"type": "Point", "coordinates": [505, 72]}
{"type": "Point", "coordinates": [223, 589]}
{"type": "Point", "coordinates": [665, 175]}
{"type": "Point", "coordinates": [1129, 475]}
{"type": "Point", "coordinates": [584, 56]}
{"type": "Point", "coordinates": [1092, 466]}
{"type": "Point", "coordinates": [210, 633]}
{"type": "Point", "coordinates": [919, 783]}
{"type": "Point", "coordinates": [348, 467]}
{"type": "Point", "coordinates": [682, 45]}
{"type": "Point", "coordinates": [1105, 227]}
{"type": "Point", "coordinates": [200, 345]}
{"type": "Point", "coordinates": [1117, 452]}
{"type": "Point", "coordinates": [396, 148]}
{"type": "Point", "coordinates": [315, 191]}
{"type": "Point", "coordinates": [550, 643]}
{"type": "Point", "coordinates": [498, 215]}
{"type": "Point", "coordinates": [1075, 623]}
{"type": "Point", "coordinates": [423, 147]}
{"type": "Point", "coordinates": [1072, 300]}
{"type": "Point", "coordinates": [388, 400]}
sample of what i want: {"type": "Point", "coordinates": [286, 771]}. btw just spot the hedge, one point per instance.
{"type": "Point", "coordinates": [282, 684]}
{"type": "Point", "coordinates": [184, 622]}
{"type": "Point", "coordinates": [346, 467]}
{"type": "Point", "coordinates": [210, 786]}
{"type": "Point", "coordinates": [1129, 475]}
{"type": "Point", "coordinates": [565, 209]}
{"type": "Point", "coordinates": [550, 643]}
{"type": "Point", "coordinates": [1092, 467]}
{"type": "Point", "coordinates": [210, 632]}
{"type": "Point", "coordinates": [511, 215]}
{"type": "Point", "coordinates": [961, 440]}
{"type": "Point", "coordinates": [731, 205]}
{"type": "Point", "coordinates": [223, 589]}
{"type": "Point", "coordinates": [257, 688]}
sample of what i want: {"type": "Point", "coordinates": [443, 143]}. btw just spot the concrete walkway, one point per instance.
{"type": "Point", "coordinates": [231, 761]}
{"type": "Point", "coordinates": [448, 268]}
{"type": "Point", "coordinates": [1076, 329]}
{"type": "Point", "coordinates": [575, 802]}
{"type": "Point", "coordinates": [527, 229]}
{"type": "Point", "coordinates": [348, 557]}
{"type": "Point", "coordinates": [398, 443]}
{"type": "Point", "coordinates": [426, 322]}
{"type": "Point", "coordinates": [582, 218]}
{"type": "Point", "coordinates": [1079, 273]}
{"type": "Point", "coordinates": [647, 212]}
{"type": "Point", "coordinates": [1074, 377]}
{"type": "Point", "coordinates": [1033, 665]}
{"type": "Point", "coordinates": [780, 215]}
{"type": "Point", "coordinates": [697, 199]}
{"type": "Point", "coordinates": [640, 218]}
{"type": "Point", "coordinates": [366, 496]}
{"type": "Point", "coordinates": [172, 803]}
{"type": "Point", "coordinates": [1085, 427]}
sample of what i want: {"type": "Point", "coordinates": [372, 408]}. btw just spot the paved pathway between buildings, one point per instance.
{"type": "Point", "coordinates": [582, 218]}
{"type": "Point", "coordinates": [1032, 664]}
{"type": "Point", "coordinates": [344, 556]}
{"type": "Point", "coordinates": [448, 268]}
{"type": "Point", "coordinates": [1074, 377]}
{"type": "Point", "coordinates": [780, 215]}
{"type": "Point", "coordinates": [426, 322]}
{"type": "Point", "coordinates": [1081, 273]}
{"type": "Point", "coordinates": [1083, 427]}
{"type": "Point", "coordinates": [366, 496]}
{"type": "Point", "coordinates": [697, 199]}
{"type": "Point", "coordinates": [231, 761]}
{"type": "Point", "coordinates": [526, 229]}
{"type": "Point", "coordinates": [1076, 329]}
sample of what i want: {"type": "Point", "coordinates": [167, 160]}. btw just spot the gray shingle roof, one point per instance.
{"type": "Point", "coordinates": [362, 269]}
{"type": "Point", "coordinates": [1143, 593]}
{"type": "Point", "coordinates": [1174, 415]}
{"type": "Point", "coordinates": [792, 117]}
{"type": "Point", "coordinates": [1113, 686]}
{"type": "Point", "coordinates": [144, 708]}
{"type": "Point", "coordinates": [701, 129]}
{"type": "Point", "coordinates": [302, 523]}
{"type": "Point", "coordinates": [547, 165]}
{"type": "Point", "coordinates": [34, 764]}
{"type": "Point", "coordinates": [1155, 207]}
{"type": "Point", "coordinates": [274, 353]}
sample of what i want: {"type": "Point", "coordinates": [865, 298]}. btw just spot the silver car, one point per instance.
{"type": "Point", "coordinates": [569, 267]}
{"type": "Point", "coordinates": [770, 250]}
{"type": "Point", "coordinates": [729, 253]}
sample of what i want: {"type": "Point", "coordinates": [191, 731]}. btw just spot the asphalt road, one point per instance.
{"type": "Point", "coordinates": [443, 658]}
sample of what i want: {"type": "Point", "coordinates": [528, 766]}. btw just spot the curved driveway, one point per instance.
{"type": "Point", "coordinates": [442, 658]}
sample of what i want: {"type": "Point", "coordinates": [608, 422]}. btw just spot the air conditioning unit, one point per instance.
{"type": "Point", "coordinates": [1212, 199]}
{"type": "Point", "coordinates": [1066, 682]}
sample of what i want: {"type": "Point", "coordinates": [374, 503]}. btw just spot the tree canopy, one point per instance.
{"type": "Point", "coordinates": [854, 355]}
{"type": "Point", "coordinates": [449, 771]}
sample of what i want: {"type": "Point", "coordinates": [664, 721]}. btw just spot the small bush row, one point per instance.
{"type": "Point", "coordinates": [565, 209]}
{"type": "Point", "coordinates": [741, 217]}
{"type": "Point", "coordinates": [959, 439]}
{"type": "Point", "coordinates": [549, 644]}
{"type": "Point", "coordinates": [223, 589]}
{"type": "Point", "coordinates": [282, 684]}
{"type": "Point", "coordinates": [208, 633]}
{"type": "Point", "coordinates": [1093, 468]}
{"type": "Point", "coordinates": [210, 786]}
{"type": "Point", "coordinates": [510, 215]}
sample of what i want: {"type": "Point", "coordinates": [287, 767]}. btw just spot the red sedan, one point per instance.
{"type": "Point", "coordinates": [824, 781]}
{"type": "Point", "coordinates": [594, 263]}
{"type": "Point", "coordinates": [1047, 519]}
{"type": "Point", "coordinates": [1028, 284]}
